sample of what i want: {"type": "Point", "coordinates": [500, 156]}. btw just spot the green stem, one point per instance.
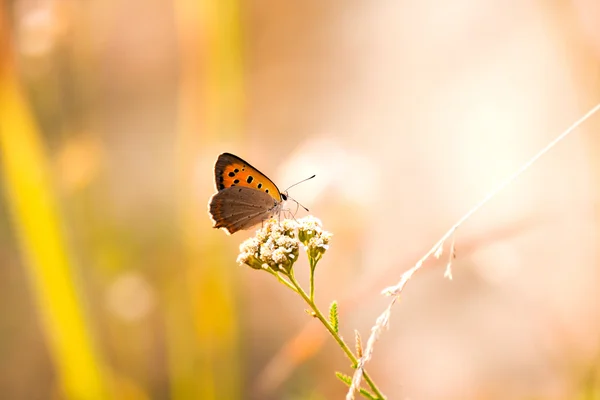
{"type": "Point", "coordinates": [334, 334]}
{"type": "Point", "coordinates": [282, 280]}
{"type": "Point", "coordinates": [313, 264]}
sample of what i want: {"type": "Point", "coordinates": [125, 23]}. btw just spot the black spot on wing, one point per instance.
{"type": "Point", "coordinates": [259, 185]}
{"type": "Point", "coordinates": [231, 174]}
{"type": "Point", "coordinates": [249, 179]}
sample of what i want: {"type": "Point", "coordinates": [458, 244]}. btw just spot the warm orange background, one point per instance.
{"type": "Point", "coordinates": [114, 285]}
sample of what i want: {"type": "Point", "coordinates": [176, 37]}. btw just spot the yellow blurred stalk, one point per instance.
{"type": "Point", "coordinates": [206, 365]}
{"type": "Point", "coordinates": [36, 220]}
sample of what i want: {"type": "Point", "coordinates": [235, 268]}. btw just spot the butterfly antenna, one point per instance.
{"type": "Point", "coordinates": [297, 203]}
{"type": "Point", "coordinates": [297, 183]}
{"type": "Point", "coordinates": [294, 200]}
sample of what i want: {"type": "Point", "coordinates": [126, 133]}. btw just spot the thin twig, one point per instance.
{"type": "Point", "coordinates": [451, 256]}
{"type": "Point", "coordinates": [394, 291]}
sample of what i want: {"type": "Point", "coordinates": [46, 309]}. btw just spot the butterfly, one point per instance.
{"type": "Point", "coordinates": [245, 196]}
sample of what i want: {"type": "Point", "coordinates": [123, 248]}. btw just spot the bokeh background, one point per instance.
{"type": "Point", "coordinates": [113, 285]}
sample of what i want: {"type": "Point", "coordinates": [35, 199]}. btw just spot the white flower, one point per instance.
{"type": "Point", "coordinates": [274, 246]}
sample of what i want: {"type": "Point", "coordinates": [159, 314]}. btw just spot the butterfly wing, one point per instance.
{"type": "Point", "coordinates": [237, 208]}
{"type": "Point", "coordinates": [232, 171]}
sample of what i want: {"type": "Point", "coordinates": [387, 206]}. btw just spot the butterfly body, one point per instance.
{"type": "Point", "coordinates": [245, 197]}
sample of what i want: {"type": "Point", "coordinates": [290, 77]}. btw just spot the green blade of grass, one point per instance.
{"type": "Point", "coordinates": [37, 224]}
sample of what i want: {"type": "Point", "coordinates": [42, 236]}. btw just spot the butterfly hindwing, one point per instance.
{"type": "Point", "coordinates": [237, 208]}
{"type": "Point", "coordinates": [232, 171]}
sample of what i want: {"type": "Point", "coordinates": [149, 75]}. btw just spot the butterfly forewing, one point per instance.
{"type": "Point", "coordinates": [236, 208]}
{"type": "Point", "coordinates": [232, 171]}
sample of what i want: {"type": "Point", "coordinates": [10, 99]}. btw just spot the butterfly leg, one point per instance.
{"type": "Point", "coordinates": [288, 213]}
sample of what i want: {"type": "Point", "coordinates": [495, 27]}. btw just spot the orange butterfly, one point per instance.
{"type": "Point", "coordinates": [245, 197]}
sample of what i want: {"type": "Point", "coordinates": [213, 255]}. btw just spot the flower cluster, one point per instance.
{"type": "Point", "coordinates": [275, 247]}
{"type": "Point", "coordinates": [313, 237]}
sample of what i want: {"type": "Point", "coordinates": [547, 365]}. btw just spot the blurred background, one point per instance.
{"type": "Point", "coordinates": [113, 285]}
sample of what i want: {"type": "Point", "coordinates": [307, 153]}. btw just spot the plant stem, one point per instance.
{"type": "Point", "coordinates": [282, 280]}
{"type": "Point", "coordinates": [313, 264]}
{"type": "Point", "coordinates": [334, 334]}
